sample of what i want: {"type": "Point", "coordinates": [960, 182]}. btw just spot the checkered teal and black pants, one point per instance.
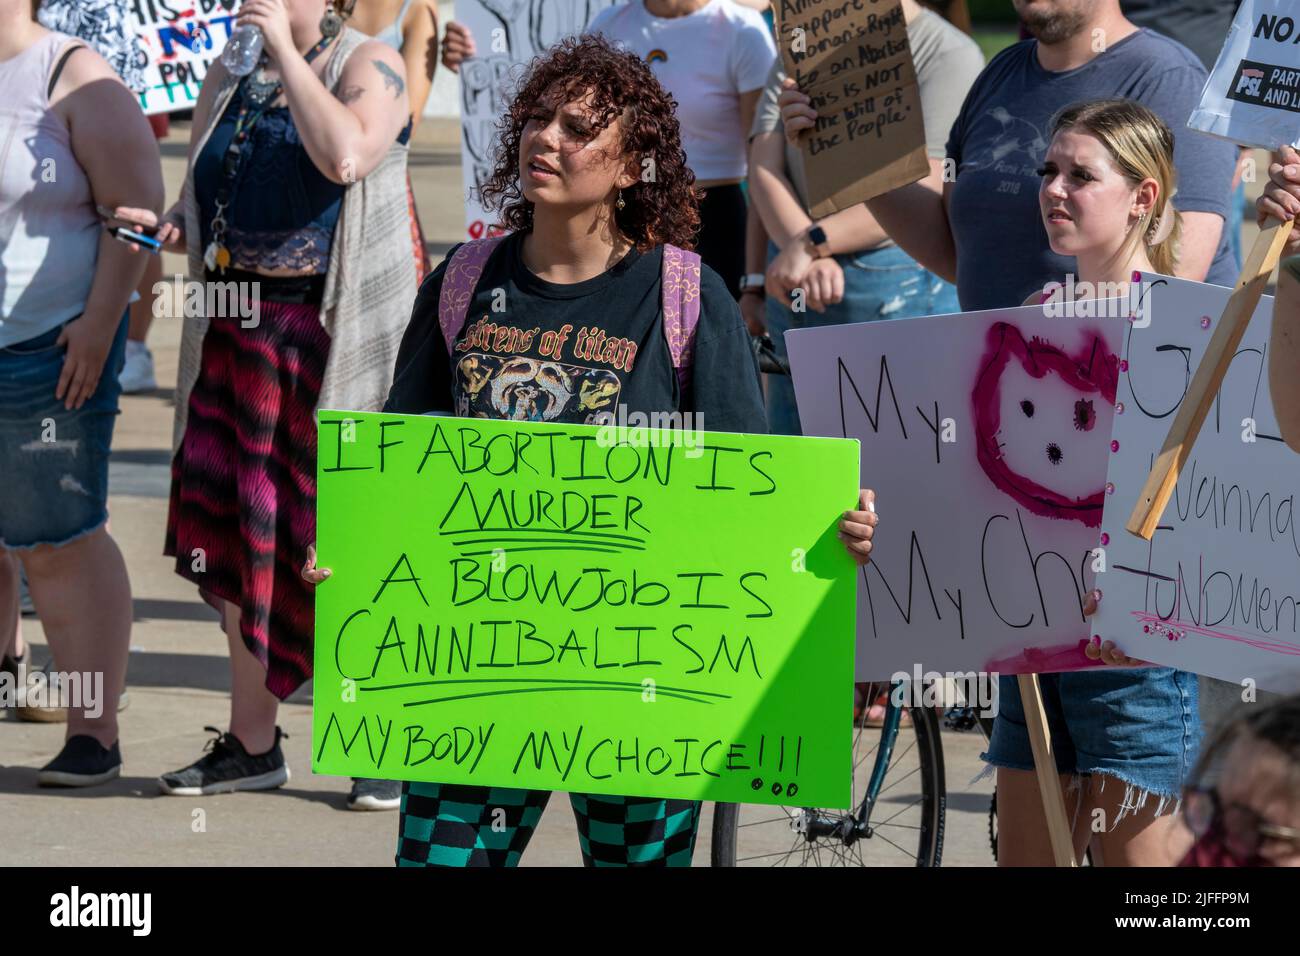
{"type": "Point", "coordinates": [454, 825]}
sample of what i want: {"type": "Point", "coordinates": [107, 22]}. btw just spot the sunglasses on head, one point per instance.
{"type": "Point", "coordinates": [1243, 830]}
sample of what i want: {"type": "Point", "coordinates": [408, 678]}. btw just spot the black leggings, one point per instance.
{"type": "Point", "coordinates": [721, 239]}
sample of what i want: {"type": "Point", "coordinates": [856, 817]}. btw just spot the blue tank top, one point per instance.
{"type": "Point", "coordinates": [283, 211]}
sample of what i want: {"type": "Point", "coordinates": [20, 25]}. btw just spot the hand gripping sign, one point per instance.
{"type": "Point", "coordinates": [1252, 98]}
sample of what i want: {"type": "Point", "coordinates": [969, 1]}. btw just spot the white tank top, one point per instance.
{"type": "Point", "coordinates": [49, 232]}
{"type": "Point", "coordinates": [392, 34]}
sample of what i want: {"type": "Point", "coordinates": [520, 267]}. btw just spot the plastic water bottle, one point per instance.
{"type": "Point", "coordinates": [243, 50]}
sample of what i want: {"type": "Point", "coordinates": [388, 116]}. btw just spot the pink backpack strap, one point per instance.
{"type": "Point", "coordinates": [459, 280]}
{"type": "Point", "coordinates": [681, 307]}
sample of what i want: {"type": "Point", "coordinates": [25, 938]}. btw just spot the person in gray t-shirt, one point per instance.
{"type": "Point", "coordinates": [858, 274]}
{"type": "Point", "coordinates": [982, 228]}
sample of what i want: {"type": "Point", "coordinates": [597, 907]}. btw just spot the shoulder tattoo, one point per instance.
{"type": "Point", "coordinates": [391, 79]}
{"type": "Point", "coordinates": [350, 94]}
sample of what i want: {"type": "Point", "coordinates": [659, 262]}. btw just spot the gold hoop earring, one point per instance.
{"type": "Point", "coordinates": [620, 204]}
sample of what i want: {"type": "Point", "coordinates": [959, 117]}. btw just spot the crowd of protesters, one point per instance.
{"type": "Point", "coordinates": [297, 180]}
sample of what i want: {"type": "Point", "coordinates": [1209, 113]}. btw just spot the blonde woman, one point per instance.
{"type": "Point", "coordinates": [1128, 734]}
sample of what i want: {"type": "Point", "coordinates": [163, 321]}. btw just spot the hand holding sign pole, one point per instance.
{"type": "Point", "coordinates": [1252, 98]}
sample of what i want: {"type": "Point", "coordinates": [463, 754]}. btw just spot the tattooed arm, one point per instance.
{"type": "Point", "coordinates": [420, 52]}
{"type": "Point", "coordinates": [347, 135]}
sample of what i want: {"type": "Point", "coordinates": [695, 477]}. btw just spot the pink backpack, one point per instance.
{"type": "Point", "coordinates": [681, 299]}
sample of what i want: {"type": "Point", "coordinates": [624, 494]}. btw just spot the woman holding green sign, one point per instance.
{"type": "Point", "coordinates": [591, 306]}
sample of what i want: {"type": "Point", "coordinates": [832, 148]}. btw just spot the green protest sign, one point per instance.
{"type": "Point", "coordinates": [583, 608]}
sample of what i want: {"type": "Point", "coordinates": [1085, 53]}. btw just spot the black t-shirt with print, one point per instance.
{"type": "Point", "coordinates": [532, 350]}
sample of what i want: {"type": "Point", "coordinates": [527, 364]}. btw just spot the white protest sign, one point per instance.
{"type": "Point", "coordinates": [1253, 94]}
{"type": "Point", "coordinates": [1215, 590]}
{"type": "Point", "coordinates": [180, 42]}
{"type": "Point", "coordinates": [507, 34]}
{"type": "Point", "coordinates": [985, 436]}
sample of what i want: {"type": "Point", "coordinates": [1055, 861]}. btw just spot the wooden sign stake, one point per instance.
{"type": "Point", "coordinates": [1159, 487]}
{"type": "Point", "coordinates": [1049, 779]}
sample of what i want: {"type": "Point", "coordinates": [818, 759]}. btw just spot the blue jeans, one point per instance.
{"type": "Point", "coordinates": [55, 460]}
{"type": "Point", "coordinates": [1239, 208]}
{"type": "Point", "coordinates": [878, 284]}
{"type": "Point", "coordinates": [1141, 726]}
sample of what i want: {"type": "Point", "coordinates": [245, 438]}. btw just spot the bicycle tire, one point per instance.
{"type": "Point", "coordinates": [925, 724]}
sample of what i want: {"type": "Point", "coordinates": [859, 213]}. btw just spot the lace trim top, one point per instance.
{"type": "Point", "coordinates": [283, 210]}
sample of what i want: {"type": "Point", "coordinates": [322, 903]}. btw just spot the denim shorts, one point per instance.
{"type": "Point", "coordinates": [878, 284]}
{"type": "Point", "coordinates": [55, 460]}
{"type": "Point", "coordinates": [1141, 726]}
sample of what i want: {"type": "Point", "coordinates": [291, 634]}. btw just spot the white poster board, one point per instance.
{"type": "Point", "coordinates": [180, 41]}
{"type": "Point", "coordinates": [1215, 590]}
{"type": "Point", "coordinates": [507, 34]}
{"type": "Point", "coordinates": [1253, 94]}
{"type": "Point", "coordinates": [985, 436]}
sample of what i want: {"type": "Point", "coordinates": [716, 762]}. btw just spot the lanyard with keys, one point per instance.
{"type": "Point", "coordinates": [252, 107]}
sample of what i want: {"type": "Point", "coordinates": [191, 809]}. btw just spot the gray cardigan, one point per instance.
{"type": "Point", "coordinates": [369, 286]}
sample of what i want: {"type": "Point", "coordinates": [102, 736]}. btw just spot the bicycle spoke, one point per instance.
{"type": "Point", "coordinates": [912, 772]}
{"type": "Point", "coordinates": [857, 850]}
{"type": "Point", "coordinates": [764, 856]}
{"type": "Point", "coordinates": [755, 823]}
{"type": "Point", "coordinates": [896, 757]}
{"type": "Point", "coordinates": [906, 853]}
{"type": "Point", "coordinates": [903, 810]}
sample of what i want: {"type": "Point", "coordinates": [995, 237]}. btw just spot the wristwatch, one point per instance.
{"type": "Point", "coordinates": [817, 239]}
{"type": "Point", "coordinates": [753, 282]}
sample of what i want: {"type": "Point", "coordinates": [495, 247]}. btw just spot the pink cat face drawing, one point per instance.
{"type": "Point", "coordinates": [1036, 410]}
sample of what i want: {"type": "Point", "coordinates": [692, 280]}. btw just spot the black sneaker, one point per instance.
{"type": "Point", "coordinates": [375, 794]}
{"type": "Point", "coordinates": [83, 762]}
{"type": "Point", "coordinates": [228, 767]}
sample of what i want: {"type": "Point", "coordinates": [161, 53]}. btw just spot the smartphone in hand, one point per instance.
{"type": "Point", "coordinates": [138, 235]}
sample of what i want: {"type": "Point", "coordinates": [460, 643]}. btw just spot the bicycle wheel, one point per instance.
{"type": "Point", "coordinates": [897, 810]}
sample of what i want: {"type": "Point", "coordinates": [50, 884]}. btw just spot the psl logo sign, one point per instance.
{"type": "Point", "coordinates": [1249, 82]}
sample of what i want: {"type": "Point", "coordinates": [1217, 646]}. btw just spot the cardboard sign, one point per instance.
{"type": "Point", "coordinates": [507, 34]}
{"type": "Point", "coordinates": [1253, 95]}
{"type": "Point", "coordinates": [853, 58]}
{"type": "Point", "coordinates": [1215, 590]}
{"type": "Point", "coordinates": [581, 608]}
{"type": "Point", "coordinates": [180, 42]}
{"type": "Point", "coordinates": [985, 436]}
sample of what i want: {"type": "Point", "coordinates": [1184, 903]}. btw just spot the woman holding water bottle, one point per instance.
{"type": "Point", "coordinates": [297, 174]}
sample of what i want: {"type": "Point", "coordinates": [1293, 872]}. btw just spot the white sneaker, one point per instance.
{"type": "Point", "coordinates": [137, 371]}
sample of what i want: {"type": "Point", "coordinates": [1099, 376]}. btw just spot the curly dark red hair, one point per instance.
{"type": "Point", "coordinates": [621, 86]}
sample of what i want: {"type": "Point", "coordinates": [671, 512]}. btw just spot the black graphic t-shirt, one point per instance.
{"type": "Point", "coordinates": [532, 350]}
